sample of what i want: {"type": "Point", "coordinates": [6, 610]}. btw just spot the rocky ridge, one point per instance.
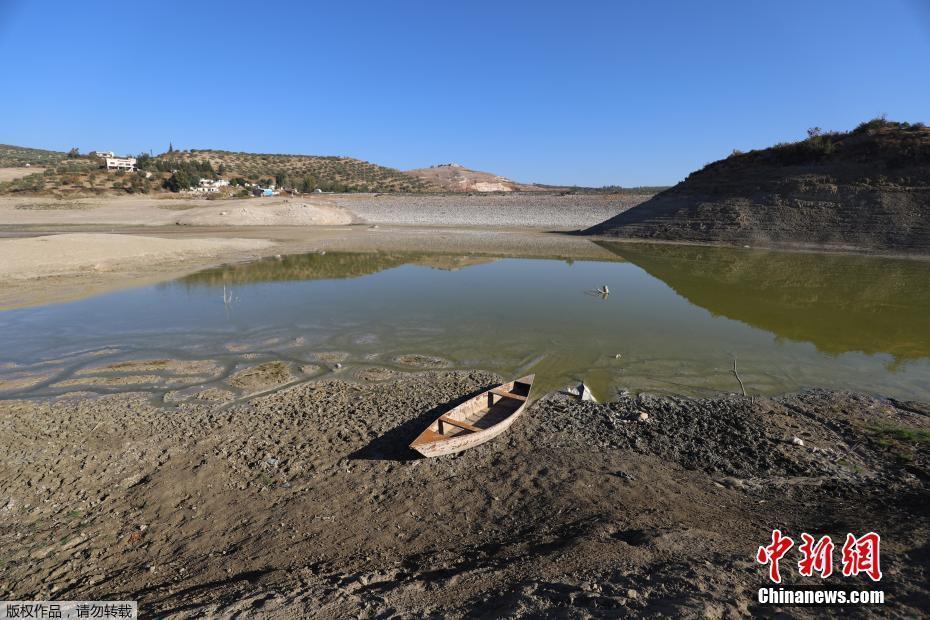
{"type": "Point", "coordinates": [867, 189]}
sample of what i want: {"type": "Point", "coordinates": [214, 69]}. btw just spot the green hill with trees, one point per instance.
{"type": "Point", "coordinates": [70, 174]}
{"type": "Point", "coordinates": [14, 156]}
{"type": "Point", "coordinates": [304, 173]}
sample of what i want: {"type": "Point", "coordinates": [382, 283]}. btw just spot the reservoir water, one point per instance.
{"type": "Point", "coordinates": [676, 319]}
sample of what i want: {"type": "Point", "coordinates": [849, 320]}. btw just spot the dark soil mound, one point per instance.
{"type": "Point", "coordinates": [865, 189]}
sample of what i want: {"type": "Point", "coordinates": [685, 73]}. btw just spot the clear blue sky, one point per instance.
{"type": "Point", "coordinates": [593, 93]}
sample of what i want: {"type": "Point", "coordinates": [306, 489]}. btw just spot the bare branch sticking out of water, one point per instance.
{"type": "Point", "coordinates": [736, 374]}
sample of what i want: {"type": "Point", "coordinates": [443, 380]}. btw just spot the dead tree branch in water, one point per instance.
{"type": "Point", "coordinates": [736, 374]}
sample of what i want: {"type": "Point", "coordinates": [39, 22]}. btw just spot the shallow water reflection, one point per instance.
{"type": "Point", "coordinates": [674, 321]}
{"type": "Point", "coordinates": [838, 303]}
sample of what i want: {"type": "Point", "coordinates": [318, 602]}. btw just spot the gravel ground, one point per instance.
{"type": "Point", "coordinates": [306, 502]}
{"type": "Point", "coordinates": [530, 210]}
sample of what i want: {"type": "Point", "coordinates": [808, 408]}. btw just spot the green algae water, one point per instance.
{"type": "Point", "coordinates": [676, 319]}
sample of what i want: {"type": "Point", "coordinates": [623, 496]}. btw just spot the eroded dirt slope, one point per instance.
{"type": "Point", "coordinates": [868, 189]}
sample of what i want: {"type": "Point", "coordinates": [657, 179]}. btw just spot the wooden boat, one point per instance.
{"type": "Point", "coordinates": [475, 421]}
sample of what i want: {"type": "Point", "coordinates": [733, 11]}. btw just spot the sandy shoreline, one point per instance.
{"type": "Point", "coordinates": [67, 254]}
{"type": "Point", "coordinates": [540, 211]}
{"type": "Point", "coordinates": [63, 267]}
{"type": "Point", "coordinates": [270, 505]}
{"type": "Point", "coordinates": [166, 211]}
{"type": "Point", "coordinates": [138, 240]}
{"type": "Point", "coordinates": [43, 268]}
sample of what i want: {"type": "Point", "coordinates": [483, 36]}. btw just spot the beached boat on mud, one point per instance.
{"type": "Point", "coordinates": [475, 421]}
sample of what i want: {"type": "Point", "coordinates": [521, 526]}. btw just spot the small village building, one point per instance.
{"type": "Point", "coordinates": [103, 154]}
{"type": "Point", "coordinates": [210, 186]}
{"type": "Point", "coordinates": [121, 163]}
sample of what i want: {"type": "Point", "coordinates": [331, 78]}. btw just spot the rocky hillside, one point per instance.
{"type": "Point", "coordinates": [457, 178]}
{"type": "Point", "coordinates": [865, 189]}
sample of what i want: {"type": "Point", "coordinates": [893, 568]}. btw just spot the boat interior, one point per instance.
{"type": "Point", "coordinates": [479, 413]}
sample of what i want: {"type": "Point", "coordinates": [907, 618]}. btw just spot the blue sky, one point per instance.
{"type": "Point", "coordinates": [591, 93]}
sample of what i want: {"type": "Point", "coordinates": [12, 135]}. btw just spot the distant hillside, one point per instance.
{"type": "Point", "coordinates": [81, 175]}
{"type": "Point", "coordinates": [456, 178]}
{"type": "Point", "coordinates": [12, 156]}
{"type": "Point", "coordinates": [865, 189]}
{"type": "Point", "coordinates": [310, 171]}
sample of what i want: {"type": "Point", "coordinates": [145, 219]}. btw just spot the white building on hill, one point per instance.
{"type": "Point", "coordinates": [121, 163]}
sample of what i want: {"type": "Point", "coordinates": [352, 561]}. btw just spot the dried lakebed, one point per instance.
{"type": "Point", "coordinates": [306, 501]}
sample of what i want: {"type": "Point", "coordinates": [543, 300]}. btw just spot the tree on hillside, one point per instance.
{"type": "Point", "coordinates": [181, 180]}
{"type": "Point", "coordinates": [138, 183]}
{"type": "Point", "coordinates": [74, 152]}
{"type": "Point", "coordinates": [307, 185]}
{"type": "Point", "coordinates": [170, 148]}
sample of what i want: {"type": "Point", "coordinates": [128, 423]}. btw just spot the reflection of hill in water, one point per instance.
{"type": "Point", "coordinates": [332, 265]}
{"type": "Point", "coordinates": [839, 303]}
{"type": "Point", "coordinates": [336, 265]}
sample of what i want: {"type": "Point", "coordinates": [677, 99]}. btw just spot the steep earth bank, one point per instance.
{"type": "Point", "coordinates": [868, 189]}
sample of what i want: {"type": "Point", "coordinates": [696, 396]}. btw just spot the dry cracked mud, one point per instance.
{"type": "Point", "coordinates": [307, 502]}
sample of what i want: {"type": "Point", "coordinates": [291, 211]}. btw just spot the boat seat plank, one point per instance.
{"type": "Point", "coordinates": [463, 425]}
{"type": "Point", "coordinates": [506, 394]}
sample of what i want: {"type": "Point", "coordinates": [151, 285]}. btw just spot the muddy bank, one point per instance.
{"type": "Point", "coordinates": [307, 501]}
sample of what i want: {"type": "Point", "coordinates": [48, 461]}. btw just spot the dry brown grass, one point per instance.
{"type": "Point", "coordinates": [11, 174]}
